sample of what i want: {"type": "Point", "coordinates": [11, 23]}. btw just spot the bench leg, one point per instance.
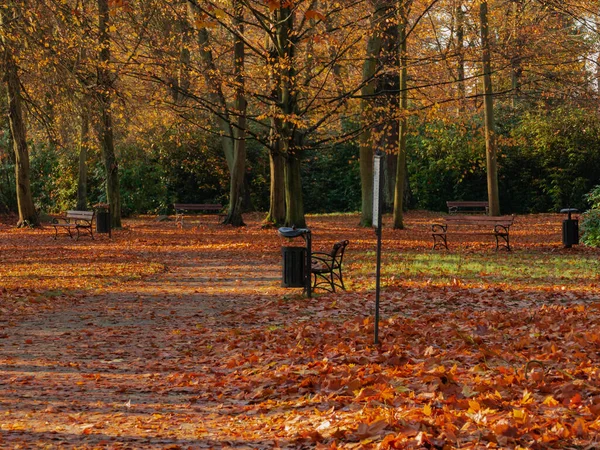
{"type": "Point", "coordinates": [68, 230]}
{"type": "Point", "coordinates": [89, 230]}
{"type": "Point", "coordinates": [439, 241]}
{"type": "Point", "coordinates": [178, 219]}
{"type": "Point", "coordinates": [505, 244]}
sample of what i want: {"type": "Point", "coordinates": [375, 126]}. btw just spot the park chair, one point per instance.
{"type": "Point", "coordinates": [326, 268]}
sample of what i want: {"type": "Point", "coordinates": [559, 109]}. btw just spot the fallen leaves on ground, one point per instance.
{"type": "Point", "coordinates": [167, 338]}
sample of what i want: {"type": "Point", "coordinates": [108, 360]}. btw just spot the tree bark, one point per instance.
{"type": "Point", "coordinates": [106, 126]}
{"type": "Point", "coordinates": [294, 212]}
{"type": "Point", "coordinates": [488, 101]}
{"type": "Point", "coordinates": [26, 207]}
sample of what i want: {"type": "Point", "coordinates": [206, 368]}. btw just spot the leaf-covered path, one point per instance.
{"type": "Point", "coordinates": [183, 339]}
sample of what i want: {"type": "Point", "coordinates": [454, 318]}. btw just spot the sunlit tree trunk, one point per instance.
{"type": "Point", "coordinates": [398, 216]}
{"type": "Point", "coordinates": [385, 132]}
{"type": "Point", "coordinates": [488, 101]}
{"type": "Point", "coordinates": [374, 45]}
{"type": "Point", "coordinates": [276, 214]}
{"type": "Point", "coordinates": [236, 192]}
{"type": "Point", "coordinates": [84, 142]}
{"type": "Point", "coordinates": [27, 213]}
{"type": "Point", "coordinates": [232, 124]}
{"type": "Point", "coordinates": [106, 126]}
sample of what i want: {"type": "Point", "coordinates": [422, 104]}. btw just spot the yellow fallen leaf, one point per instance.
{"type": "Point", "coordinates": [427, 410]}
{"type": "Point", "coordinates": [474, 406]}
{"type": "Point", "coordinates": [551, 401]}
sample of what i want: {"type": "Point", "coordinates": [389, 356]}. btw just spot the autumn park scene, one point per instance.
{"type": "Point", "coordinates": [298, 224]}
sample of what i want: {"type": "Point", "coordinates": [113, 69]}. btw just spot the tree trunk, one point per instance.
{"type": "Point", "coordinates": [106, 127]}
{"type": "Point", "coordinates": [236, 192]}
{"type": "Point", "coordinates": [385, 132]}
{"type": "Point", "coordinates": [398, 218]}
{"type": "Point", "coordinates": [288, 101]}
{"type": "Point", "coordinates": [83, 154]}
{"type": "Point", "coordinates": [276, 215]}
{"type": "Point", "coordinates": [370, 65]}
{"type": "Point", "coordinates": [488, 100]}
{"type": "Point", "coordinates": [294, 211]}
{"type": "Point", "coordinates": [27, 213]}
{"type": "Point", "coordinates": [213, 87]}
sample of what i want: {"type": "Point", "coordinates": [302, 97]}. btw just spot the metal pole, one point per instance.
{"type": "Point", "coordinates": [307, 273]}
{"type": "Point", "coordinates": [377, 191]}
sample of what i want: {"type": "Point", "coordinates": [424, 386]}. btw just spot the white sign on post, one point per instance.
{"type": "Point", "coordinates": [376, 189]}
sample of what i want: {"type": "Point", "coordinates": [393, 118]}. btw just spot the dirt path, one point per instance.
{"type": "Point", "coordinates": [129, 369]}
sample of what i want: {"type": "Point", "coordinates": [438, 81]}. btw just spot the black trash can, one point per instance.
{"type": "Point", "coordinates": [103, 222]}
{"type": "Point", "coordinates": [296, 259]}
{"type": "Point", "coordinates": [570, 228]}
{"type": "Point", "coordinates": [294, 264]}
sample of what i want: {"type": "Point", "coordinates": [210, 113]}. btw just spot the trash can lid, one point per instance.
{"type": "Point", "coordinates": [291, 232]}
{"type": "Point", "coordinates": [569, 210]}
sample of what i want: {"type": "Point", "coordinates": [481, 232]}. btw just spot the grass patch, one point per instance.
{"type": "Point", "coordinates": [526, 270]}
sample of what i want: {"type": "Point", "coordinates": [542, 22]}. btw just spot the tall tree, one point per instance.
{"type": "Point", "coordinates": [84, 145]}
{"type": "Point", "coordinates": [369, 86]}
{"type": "Point", "coordinates": [27, 213]}
{"type": "Point", "coordinates": [285, 40]}
{"type": "Point", "coordinates": [488, 102]}
{"type": "Point", "coordinates": [398, 216]}
{"type": "Point", "coordinates": [236, 192]}
{"type": "Point", "coordinates": [105, 88]}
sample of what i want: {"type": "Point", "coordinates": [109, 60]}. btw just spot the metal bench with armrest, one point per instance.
{"type": "Point", "coordinates": [326, 268]}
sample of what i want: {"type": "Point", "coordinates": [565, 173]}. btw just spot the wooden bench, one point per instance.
{"type": "Point", "coordinates": [497, 226]}
{"type": "Point", "coordinates": [74, 221]}
{"type": "Point", "coordinates": [472, 207]}
{"type": "Point", "coordinates": [181, 208]}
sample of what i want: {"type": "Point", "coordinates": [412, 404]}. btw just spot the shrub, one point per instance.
{"type": "Point", "coordinates": [331, 179]}
{"type": "Point", "coordinates": [590, 220]}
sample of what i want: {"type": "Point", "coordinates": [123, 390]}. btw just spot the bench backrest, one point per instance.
{"type": "Point", "coordinates": [80, 215]}
{"type": "Point", "coordinates": [337, 252]}
{"type": "Point", "coordinates": [480, 220]}
{"type": "Point", "coordinates": [470, 206]}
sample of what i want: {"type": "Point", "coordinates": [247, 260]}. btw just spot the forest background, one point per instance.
{"type": "Point", "coordinates": [279, 106]}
